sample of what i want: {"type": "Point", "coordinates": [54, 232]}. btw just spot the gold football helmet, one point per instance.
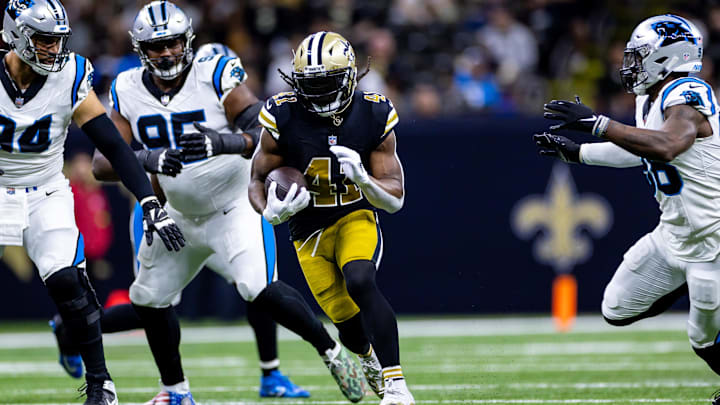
{"type": "Point", "coordinates": [324, 74]}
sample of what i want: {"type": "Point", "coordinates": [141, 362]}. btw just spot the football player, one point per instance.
{"type": "Point", "coordinates": [675, 140]}
{"type": "Point", "coordinates": [123, 317]}
{"type": "Point", "coordinates": [46, 86]}
{"type": "Point", "coordinates": [344, 143]}
{"type": "Point", "coordinates": [184, 111]}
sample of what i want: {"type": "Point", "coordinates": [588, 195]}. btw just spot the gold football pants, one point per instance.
{"type": "Point", "coordinates": [323, 254]}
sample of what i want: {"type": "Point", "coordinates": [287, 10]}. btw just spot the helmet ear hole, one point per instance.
{"type": "Point", "coordinates": [661, 59]}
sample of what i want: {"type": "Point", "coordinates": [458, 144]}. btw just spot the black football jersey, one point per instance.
{"type": "Point", "coordinates": [304, 139]}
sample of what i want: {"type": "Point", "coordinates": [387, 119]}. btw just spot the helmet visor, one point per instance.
{"type": "Point", "coordinates": [322, 89]}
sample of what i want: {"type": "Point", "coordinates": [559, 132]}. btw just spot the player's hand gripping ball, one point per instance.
{"type": "Point", "coordinates": [287, 194]}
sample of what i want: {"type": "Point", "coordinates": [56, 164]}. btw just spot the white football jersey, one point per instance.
{"type": "Point", "coordinates": [34, 123]}
{"type": "Point", "coordinates": [157, 121]}
{"type": "Point", "coordinates": [688, 188]}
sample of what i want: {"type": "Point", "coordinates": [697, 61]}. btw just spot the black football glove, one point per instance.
{"type": "Point", "coordinates": [208, 143]}
{"type": "Point", "coordinates": [557, 146]}
{"type": "Point", "coordinates": [575, 116]}
{"type": "Point", "coordinates": [162, 161]}
{"type": "Point", "coordinates": [155, 219]}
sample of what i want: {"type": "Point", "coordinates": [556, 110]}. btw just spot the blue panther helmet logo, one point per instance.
{"type": "Point", "coordinates": [15, 7]}
{"type": "Point", "coordinates": [672, 32]}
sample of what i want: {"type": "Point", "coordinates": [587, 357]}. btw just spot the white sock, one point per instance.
{"type": "Point", "coordinates": [269, 365]}
{"type": "Point", "coordinates": [393, 373]}
{"type": "Point", "coordinates": [180, 388]}
{"type": "Point", "coordinates": [331, 354]}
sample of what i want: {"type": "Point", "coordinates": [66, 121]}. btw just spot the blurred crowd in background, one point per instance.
{"type": "Point", "coordinates": [431, 57]}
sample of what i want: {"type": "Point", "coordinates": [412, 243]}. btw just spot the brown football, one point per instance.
{"type": "Point", "coordinates": [285, 176]}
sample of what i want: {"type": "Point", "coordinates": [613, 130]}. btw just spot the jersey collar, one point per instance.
{"type": "Point", "coordinates": [163, 97]}
{"type": "Point", "coordinates": [19, 97]}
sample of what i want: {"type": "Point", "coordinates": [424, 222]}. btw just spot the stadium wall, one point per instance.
{"type": "Point", "coordinates": [486, 227]}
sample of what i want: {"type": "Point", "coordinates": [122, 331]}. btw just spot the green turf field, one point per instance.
{"type": "Point", "coordinates": [462, 360]}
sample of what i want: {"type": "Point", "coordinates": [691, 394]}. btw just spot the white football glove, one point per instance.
{"type": "Point", "coordinates": [351, 164]}
{"type": "Point", "coordinates": [278, 211]}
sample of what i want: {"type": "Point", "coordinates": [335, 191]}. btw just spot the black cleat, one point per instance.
{"type": "Point", "coordinates": [715, 398]}
{"type": "Point", "coordinates": [99, 393]}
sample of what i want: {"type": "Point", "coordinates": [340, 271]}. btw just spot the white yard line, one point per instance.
{"type": "Point", "coordinates": [449, 327]}
{"type": "Point", "coordinates": [415, 387]}
{"type": "Point", "coordinates": [52, 369]}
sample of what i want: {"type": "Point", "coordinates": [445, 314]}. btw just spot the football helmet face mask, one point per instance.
{"type": "Point", "coordinates": [160, 25]}
{"type": "Point", "coordinates": [659, 46]}
{"type": "Point", "coordinates": [324, 74]}
{"type": "Point", "coordinates": [38, 32]}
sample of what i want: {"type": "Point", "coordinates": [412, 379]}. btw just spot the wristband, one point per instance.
{"type": "Point", "coordinates": [601, 126]}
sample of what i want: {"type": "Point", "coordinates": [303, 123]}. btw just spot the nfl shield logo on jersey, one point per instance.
{"type": "Point", "coordinates": [332, 140]}
{"type": "Point", "coordinates": [19, 101]}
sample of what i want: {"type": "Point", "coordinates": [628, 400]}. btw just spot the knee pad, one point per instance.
{"type": "Point", "coordinates": [701, 337]}
{"type": "Point", "coordinates": [359, 276]}
{"type": "Point", "coordinates": [75, 298]}
{"type": "Point", "coordinates": [145, 297]}
{"type": "Point", "coordinates": [702, 327]}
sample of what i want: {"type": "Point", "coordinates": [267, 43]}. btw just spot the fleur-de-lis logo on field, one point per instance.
{"type": "Point", "coordinates": [561, 215]}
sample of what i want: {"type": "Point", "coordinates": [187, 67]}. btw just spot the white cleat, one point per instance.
{"type": "Point", "coordinates": [373, 372]}
{"type": "Point", "coordinates": [397, 393]}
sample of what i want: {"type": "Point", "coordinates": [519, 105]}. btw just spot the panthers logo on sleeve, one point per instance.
{"type": "Point", "coordinates": [692, 98]}
{"type": "Point", "coordinates": [689, 91]}
{"type": "Point", "coordinates": [229, 73]}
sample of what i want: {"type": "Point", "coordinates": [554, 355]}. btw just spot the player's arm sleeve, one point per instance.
{"type": "Point", "coordinates": [689, 91]}
{"type": "Point", "coordinates": [607, 154]}
{"type": "Point", "coordinates": [111, 144]}
{"type": "Point", "coordinates": [82, 84]}
{"type": "Point", "coordinates": [248, 121]}
{"type": "Point", "coordinates": [228, 74]}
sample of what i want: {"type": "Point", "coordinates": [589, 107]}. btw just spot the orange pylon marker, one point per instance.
{"type": "Point", "coordinates": [564, 301]}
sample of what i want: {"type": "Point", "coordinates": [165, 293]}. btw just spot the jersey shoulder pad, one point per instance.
{"type": "Point", "coordinates": [125, 82]}
{"type": "Point", "coordinates": [82, 71]}
{"type": "Point", "coordinates": [223, 73]}
{"type": "Point", "coordinates": [276, 112]}
{"type": "Point", "coordinates": [383, 111]}
{"type": "Point", "coordinates": [690, 91]}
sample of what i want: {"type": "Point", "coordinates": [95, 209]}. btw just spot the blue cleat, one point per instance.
{"type": "Point", "coordinates": [278, 385]}
{"type": "Point", "coordinates": [69, 358]}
